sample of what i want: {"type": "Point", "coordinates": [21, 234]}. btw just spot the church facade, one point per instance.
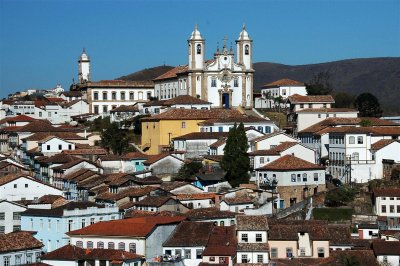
{"type": "Point", "coordinates": [225, 81]}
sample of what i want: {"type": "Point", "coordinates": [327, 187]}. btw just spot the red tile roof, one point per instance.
{"type": "Point", "coordinates": [184, 99]}
{"type": "Point", "coordinates": [208, 213]}
{"type": "Point", "coordinates": [173, 73]}
{"type": "Point", "coordinates": [283, 83]}
{"type": "Point", "coordinates": [236, 119]}
{"type": "Point", "coordinates": [296, 98]}
{"type": "Point", "coordinates": [222, 242]}
{"type": "Point", "coordinates": [288, 230]}
{"type": "Point", "coordinates": [74, 253]}
{"type": "Point", "coordinates": [21, 118]}
{"type": "Point", "coordinates": [195, 196]}
{"type": "Point", "coordinates": [290, 163]}
{"type": "Point", "coordinates": [387, 192]}
{"type": "Point", "coordinates": [190, 234]}
{"type": "Point", "coordinates": [193, 114]}
{"type": "Point", "coordinates": [63, 135]}
{"type": "Point", "coordinates": [131, 227]}
{"type": "Point", "coordinates": [203, 135]}
{"type": "Point", "coordinates": [115, 84]}
{"type": "Point", "coordinates": [380, 144]}
{"type": "Point", "coordinates": [19, 240]}
{"type": "Point", "coordinates": [126, 108]}
{"type": "Point", "coordinates": [252, 223]}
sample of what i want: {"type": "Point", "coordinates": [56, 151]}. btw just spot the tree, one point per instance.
{"type": "Point", "coordinates": [235, 161]}
{"type": "Point", "coordinates": [319, 84]}
{"type": "Point", "coordinates": [188, 170]}
{"type": "Point", "coordinates": [368, 105]}
{"type": "Point", "coordinates": [340, 196]}
{"type": "Point", "coordinates": [115, 139]}
{"type": "Point", "coordinates": [344, 100]}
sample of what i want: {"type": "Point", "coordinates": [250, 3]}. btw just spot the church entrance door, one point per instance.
{"type": "Point", "coordinates": [225, 100]}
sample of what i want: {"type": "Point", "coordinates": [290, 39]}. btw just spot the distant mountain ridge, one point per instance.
{"type": "Point", "coordinates": [379, 76]}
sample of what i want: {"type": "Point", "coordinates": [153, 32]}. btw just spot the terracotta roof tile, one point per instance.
{"type": "Point", "coordinates": [239, 200]}
{"type": "Point", "coordinates": [19, 240]}
{"type": "Point", "coordinates": [290, 163]}
{"type": "Point", "coordinates": [153, 201]}
{"type": "Point", "coordinates": [382, 143]}
{"type": "Point", "coordinates": [387, 192]}
{"type": "Point", "coordinates": [284, 82]}
{"type": "Point", "coordinates": [216, 158]}
{"type": "Point", "coordinates": [235, 119]}
{"type": "Point", "coordinates": [203, 135]}
{"type": "Point", "coordinates": [195, 196]}
{"type": "Point", "coordinates": [384, 248]}
{"type": "Point", "coordinates": [251, 223]}
{"type": "Point", "coordinates": [86, 151]}
{"type": "Point", "coordinates": [252, 247]}
{"type": "Point", "coordinates": [59, 211]}
{"type": "Point", "coordinates": [296, 98]}
{"type": "Point", "coordinates": [184, 99]}
{"type": "Point", "coordinates": [21, 118]}
{"type": "Point", "coordinates": [193, 114]}
{"type": "Point", "coordinates": [131, 227]}
{"type": "Point", "coordinates": [126, 108]}
{"type": "Point", "coordinates": [173, 73]}
{"type": "Point", "coordinates": [289, 230]}
{"type": "Point", "coordinates": [208, 213]}
{"type": "Point", "coordinates": [70, 252]}
{"type": "Point", "coordinates": [218, 143]}
{"type": "Point", "coordinates": [63, 135]}
{"type": "Point", "coordinates": [115, 84]}
{"type": "Point", "coordinates": [169, 186]}
{"type": "Point", "coordinates": [222, 242]}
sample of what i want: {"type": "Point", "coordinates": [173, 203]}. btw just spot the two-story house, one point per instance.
{"type": "Point", "coordinates": [387, 207]}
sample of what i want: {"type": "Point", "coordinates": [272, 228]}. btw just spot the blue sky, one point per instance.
{"type": "Point", "coordinates": [41, 40]}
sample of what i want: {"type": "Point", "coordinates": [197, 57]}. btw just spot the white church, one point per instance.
{"type": "Point", "coordinates": [223, 81]}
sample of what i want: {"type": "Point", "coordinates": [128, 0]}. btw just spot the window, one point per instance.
{"type": "Point", "coordinates": [213, 82]}
{"type": "Point", "coordinates": [89, 244]}
{"type": "Point", "coordinates": [222, 223]}
{"type": "Point", "coordinates": [59, 147]}
{"type": "Point", "coordinates": [246, 49]}
{"type": "Point", "coordinates": [95, 96]}
{"type": "Point", "coordinates": [310, 105]}
{"type": "Point", "coordinates": [293, 177]}
{"type": "Point", "coordinates": [111, 245]}
{"type": "Point", "coordinates": [122, 95]}
{"type": "Point", "coordinates": [355, 156]}
{"type": "Point", "coordinates": [212, 258]}
{"type": "Point", "coordinates": [29, 258]}
{"type": "Point", "coordinates": [304, 177]}
{"type": "Point", "coordinates": [321, 252]}
{"type": "Point", "coordinates": [315, 176]}
{"type": "Point", "coordinates": [132, 247]}
{"type": "Point", "coordinates": [105, 108]}
{"type": "Point", "coordinates": [16, 228]}
{"type": "Point", "coordinates": [48, 147]}
{"type": "Point", "coordinates": [2, 229]}
{"type": "Point", "coordinates": [183, 124]}
{"type": "Point", "coordinates": [236, 83]}
{"type": "Point", "coordinates": [104, 95]}
{"type": "Point", "coordinates": [49, 224]}
{"type": "Point", "coordinates": [69, 146]}
{"type": "Point", "coordinates": [199, 253]}
{"type": "Point", "coordinates": [289, 252]}
{"type": "Point", "coordinates": [91, 220]}
{"type": "Point", "coordinates": [258, 237]}
{"type": "Point", "coordinates": [302, 105]}
{"type": "Point", "coordinates": [16, 216]}
{"type": "Point", "coordinates": [244, 258]}
{"type": "Point", "coordinates": [83, 223]}
{"type": "Point", "coordinates": [96, 109]}
{"type": "Point", "coordinates": [274, 252]}
{"type": "Point", "coordinates": [298, 178]}
{"type": "Point", "coordinates": [245, 238]}
{"type": "Point", "coordinates": [198, 49]}
{"type": "Point", "coordinates": [79, 244]}
{"type": "Point", "coordinates": [188, 254]}
{"type": "Point", "coordinates": [383, 208]}
{"type": "Point", "coordinates": [113, 95]}
{"type": "Point", "coordinates": [131, 95]}
{"type": "Point", "coordinates": [391, 208]}
{"type": "Point", "coordinates": [40, 114]}
{"type": "Point", "coordinates": [360, 140]}
{"type": "Point", "coordinates": [121, 246]}
{"type": "Point", "coordinates": [398, 208]}
{"type": "Point", "coordinates": [260, 258]}
{"type": "Point", "coordinates": [6, 261]}
{"type": "Point", "coordinates": [352, 140]}
{"type": "Point", "coordinates": [261, 160]}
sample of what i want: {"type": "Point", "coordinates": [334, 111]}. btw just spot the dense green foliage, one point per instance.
{"type": "Point", "coordinates": [235, 161]}
{"type": "Point", "coordinates": [319, 84]}
{"type": "Point", "coordinates": [115, 139]}
{"type": "Point", "coordinates": [344, 100]}
{"type": "Point", "coordinates": [188, 170]}
{"type": "Point", "coordinates": [340, 196]}
{"type": "Point", "coordinates": [332, 214]}
{"type": "Point", "coordinates": [368, 105]}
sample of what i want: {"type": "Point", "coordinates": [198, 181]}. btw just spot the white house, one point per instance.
{"type": "Point", "coordinates": [188, 241]}
{"type": "Point", "coordinates": [282, 88]}
{"type": "Point", "coordinates": [237, 203]}
{"type": "Point", "coordinates": [297, 178]}
{"type": "Point", "coordinates": [387, 252]}
{"type": "Point", "coordinates": [144, 235]}
{"type": "Point", "coordinates": [252, 238]}
{"type": "Point", "coordinates": [19, 248]}
{"type": "Point", "coordinates": [163, 164]}
{"type": "Point", "coordinates": [387, 207]}
{"type": "Point", "coordinates": [53, 144]}
{"type": "Point", "coordinates": [10, 216]}
{"type": "Point", "coordinates": [270, 141]}
{"type": "Point", "coordinates": [20, 186]}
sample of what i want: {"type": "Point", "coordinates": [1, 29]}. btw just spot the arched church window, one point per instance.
{"type": "Point", "coordinates": [199, 49]}
{"type": "Point", "coordinates": [236, 83]}
{"type": "Point", "coordinates": [246, 49]}
{"type": "Point", "coordinates": [213, 82]}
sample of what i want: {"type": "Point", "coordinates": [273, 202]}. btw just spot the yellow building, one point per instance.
{"type": "Point", "coordinates": [159, 130]}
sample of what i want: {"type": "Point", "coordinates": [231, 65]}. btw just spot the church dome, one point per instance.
{"type": "Point", "coordinates": [196, 35]}
{"type": "Point", "coordinates": [244, 35]}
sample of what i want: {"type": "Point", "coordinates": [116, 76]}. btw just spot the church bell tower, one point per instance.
{"type": "Point", "coordinates": [84, 67]}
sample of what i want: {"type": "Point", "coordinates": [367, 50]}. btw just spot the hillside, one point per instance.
{"type": "Point", "coordinates": [147, 73]}
{"type": "Point", "coordinates": [379, 76]}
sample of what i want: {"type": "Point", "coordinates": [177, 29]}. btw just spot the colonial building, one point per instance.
{"type": "Point", "coordinates": [221, 80]}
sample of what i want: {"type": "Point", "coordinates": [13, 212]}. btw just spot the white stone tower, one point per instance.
{"type": "Point", "coordinates": [196, 51]}
{"type": "Point", "coordinates": [244, 49]}
{"type": "Point", "coordinates": [84, 67]}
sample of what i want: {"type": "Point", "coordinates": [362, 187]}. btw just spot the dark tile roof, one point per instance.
{"type": "Point", "coordinates": [184, 99]}
{"type": "Point", "coordinates": [252, 247]}
{"type": "Point", "coordinates": [208, 213]}
{"type": "Point", "coordinates": [339, 235]}
{"type": "Point", "coordinates": [74, 253]}
{"type": "Point", "coordinates": [60, 158]}
{"type": "Point", "coordinates": [222, 242]}
{"type": "Point", "coordinates": [126, 108]}
{"type": "Point", "coordinates": [216, 158]}
{"type": "Point", "coordinates": [235, 119]}
{"type": "Point", "coordinates": [193, 114]}
{"type": "Point", "coordinates": [296, 98]}
{"type": "Point", "coordinates": [190, 234]}
{"type": "Point", "coordinates": [327, 110]}
{"type": "Point", "coordinates": [242, 199]}
{"type": "Point", "coordinates": [153, 201]}
{"type": "Point", "coordinates": [283, 83]}
{"type": "Point", "coordinates": [203, 135]}
{"type": "Point", "coordinates": [251, 223]}
{"type": "Point", "coordinates": [63, 135]}
{"type": "Point", "coordinates": [382, 248]}
{"type": "Point", "coordinates": [290, 163]}
{"type": "Point", "coordinates": [288, 230]}
{"type": "Point", "coordinates": [19, 240]}
{"type": "Point", "coordinates": [128, 192]}
{"type": "Point", "coordinates": [131, 227]}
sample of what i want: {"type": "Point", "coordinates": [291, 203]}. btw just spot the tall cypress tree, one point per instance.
{"type": "Point", "coordinates": [235, 161]}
